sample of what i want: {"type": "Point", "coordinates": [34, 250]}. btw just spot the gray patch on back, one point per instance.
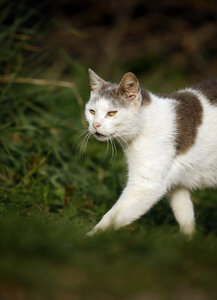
{"type": "Point", "coordinates": [208, 89]}
{"type": "Point", "coordinates": [189, 114]}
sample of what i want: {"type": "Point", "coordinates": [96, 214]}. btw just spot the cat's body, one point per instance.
{"type": "Point", "coordinates": [170, 143]}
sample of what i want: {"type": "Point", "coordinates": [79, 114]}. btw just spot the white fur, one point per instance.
{"type": "Point", "coordinates": [154, 167]}
{"type": "Point", "coordinates": [182, 206]}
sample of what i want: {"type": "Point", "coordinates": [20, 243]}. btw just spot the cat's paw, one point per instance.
{"type": "Point", "coordinates": [97, 229]}
{"type": "Point", "coordinates": [106, 223]}
{"type": "Point", "coordinates": [102, 226]}
{"type": "Point", "coordinates": [90, 233]}
{"type": "Point", "coordinates": [188, 230]}
{"type": "Point", "coordinates": [94, 231]}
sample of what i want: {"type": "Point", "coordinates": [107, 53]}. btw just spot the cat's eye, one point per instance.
{"type": "Point", "coordinates": [112, 113]}
{"type": "Point", "coordinates": [92, 111]}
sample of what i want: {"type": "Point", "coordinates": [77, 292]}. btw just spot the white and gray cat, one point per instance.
{"type": "Point", "coordinates": [170, 143]}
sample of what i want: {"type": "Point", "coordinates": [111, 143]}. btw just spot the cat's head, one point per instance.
{"type": "Point", "coordinates": [113, 110]}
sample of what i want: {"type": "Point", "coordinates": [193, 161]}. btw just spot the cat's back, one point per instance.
{"type": "Point", "coordinates": [207, 89]}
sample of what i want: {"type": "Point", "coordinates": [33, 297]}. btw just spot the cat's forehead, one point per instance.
{"type": "Point", "coordinates": [109, 93]}
{"type": "Point", "coordinates": [102, 104]}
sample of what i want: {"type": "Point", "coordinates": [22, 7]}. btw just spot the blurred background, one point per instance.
{"type": "Point", "coordinates": [54, 186]}
{"type": "Point", "coordinates": [159, 41]}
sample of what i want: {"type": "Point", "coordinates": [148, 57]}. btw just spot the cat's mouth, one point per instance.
{"type": "Point", "coordinates": [100, 136]}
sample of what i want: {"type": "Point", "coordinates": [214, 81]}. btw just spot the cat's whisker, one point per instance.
{"type": "Point", "coordinates": [85, 146]}
{"type": "Point", "coordinates": [83, 132]}
{"type": "Point", "coordinates": [86, 140]}
{"type": "Point", "coordinates": [109, 142]}
{"type": "Point", "coordinates": [114, 150]}
{"type": "Point", "coordinates": [82, 140]}
{"type": "Point", "coordinates": [123, 139]}
{"type": "Point", "coordinates": [84, 129]}
{"type": "Point", "coordinates": [107, 148]}
{"type": "Point", "coordinates": [120, 143]}
{"type": "Point", "coordinates": [78, 150]}
{"type": "Point", "coordinates": [123, 143]}
{"type": "Point", "coordinates": [82, 144]}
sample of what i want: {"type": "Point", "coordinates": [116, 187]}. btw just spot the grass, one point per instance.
{"type": "Point", "coordinates": [50, 196]}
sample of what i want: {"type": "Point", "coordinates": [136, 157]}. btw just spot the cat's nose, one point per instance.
{"type": "Point", "coordinates": [96, 125]}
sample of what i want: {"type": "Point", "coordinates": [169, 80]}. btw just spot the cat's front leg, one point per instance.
{"type": "Point", "coordinates": [135, 201]}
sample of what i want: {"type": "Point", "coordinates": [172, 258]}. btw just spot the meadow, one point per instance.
{"type": "Point", "coordinates": [54, 188]}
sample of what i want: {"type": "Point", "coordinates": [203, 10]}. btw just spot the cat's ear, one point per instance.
{"type": "Point", "coordinates": [96, 82]}
{"type": "Point", "coordinates": [129, 87]}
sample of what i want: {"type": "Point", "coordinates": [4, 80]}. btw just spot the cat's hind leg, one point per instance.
{"type": "Point", "coordinates": [182, 206]}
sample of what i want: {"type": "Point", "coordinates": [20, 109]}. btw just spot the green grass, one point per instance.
{"type": "Point", "coordinates": [50, 196]}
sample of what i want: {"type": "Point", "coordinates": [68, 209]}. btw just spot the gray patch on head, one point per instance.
{"type": "Point", "coordinates": [189, 115]}
{"type": "Point", "coordinates": [110, 92]}
{"type": "Point", "coordinates": [208, 89]}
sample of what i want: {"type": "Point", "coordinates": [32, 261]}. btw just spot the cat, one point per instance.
{"type": "Point", "coordinates": [169, 140]}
